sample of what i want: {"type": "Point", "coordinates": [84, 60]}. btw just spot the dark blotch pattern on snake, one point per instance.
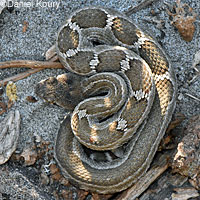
{"type": "Point", "coordinates": [120, 87]}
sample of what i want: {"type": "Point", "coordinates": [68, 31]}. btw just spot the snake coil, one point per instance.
{"type": "Point", "coordinates": [128, 89]}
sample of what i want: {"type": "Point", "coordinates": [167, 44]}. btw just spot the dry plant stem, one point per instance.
{"type": "Point", "coordinates": [194, 78]}
{"type": "Point", "coordinates": [161, 164]}
{"type": "Point", "coordinates": [30, 64]}
{"type": "Point", "coordinates": [19, 76]}
{"type": "Point", "coordinates": [140, 6]}
{"type": "Point", "coordinates": [190, 95]}
{"type": "Point", "coordinates": [35, 65]}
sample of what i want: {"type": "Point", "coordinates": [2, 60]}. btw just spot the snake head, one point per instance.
{"type": "Point", "coordinates": [63, 90]}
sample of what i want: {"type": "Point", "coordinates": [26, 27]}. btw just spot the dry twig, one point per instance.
{"type": "Point", "coordinates": [30, 64]}
{"type": "Point", "coordinates": [190, 95]}
{"type": "Point", "coordinates": [35, 65]}
{"type": "Point", "coordinates": [19, 76]}
{"type": "Point", "coordinates": [140, 6]}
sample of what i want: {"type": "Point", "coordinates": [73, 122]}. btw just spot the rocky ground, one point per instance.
{"type": "Point", "coordinates": [27, 32]}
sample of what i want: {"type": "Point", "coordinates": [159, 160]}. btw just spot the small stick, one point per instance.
{"type": "Point", "coordinates": [35, 66]}
{"type": "Point", "coordinates": [194, 78]}
{"type": "Point", "coordinates": [30, 64]}
{"type": "Point", "coordinates": [140, 6]}
{"type": "Point", "coordinates": [20, 76]}
{"type": "Point", "coordinates": [190, 95]}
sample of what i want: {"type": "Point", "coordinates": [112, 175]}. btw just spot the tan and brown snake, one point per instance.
{"type": "Point", "coordinates": [121, 90]}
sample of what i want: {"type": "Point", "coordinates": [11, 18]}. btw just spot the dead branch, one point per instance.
{"type": "Point", "coordinates": [30, 64]}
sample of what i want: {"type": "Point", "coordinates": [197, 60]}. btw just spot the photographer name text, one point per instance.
{"type": "Point", "coordinates": [37, 3]}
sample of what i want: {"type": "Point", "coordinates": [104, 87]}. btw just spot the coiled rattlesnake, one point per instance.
{"type": "Point", "coordinates": [121, 88]}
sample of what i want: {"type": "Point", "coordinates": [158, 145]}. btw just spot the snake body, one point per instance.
{"type": "Point", "coordinates": [125, 95]}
